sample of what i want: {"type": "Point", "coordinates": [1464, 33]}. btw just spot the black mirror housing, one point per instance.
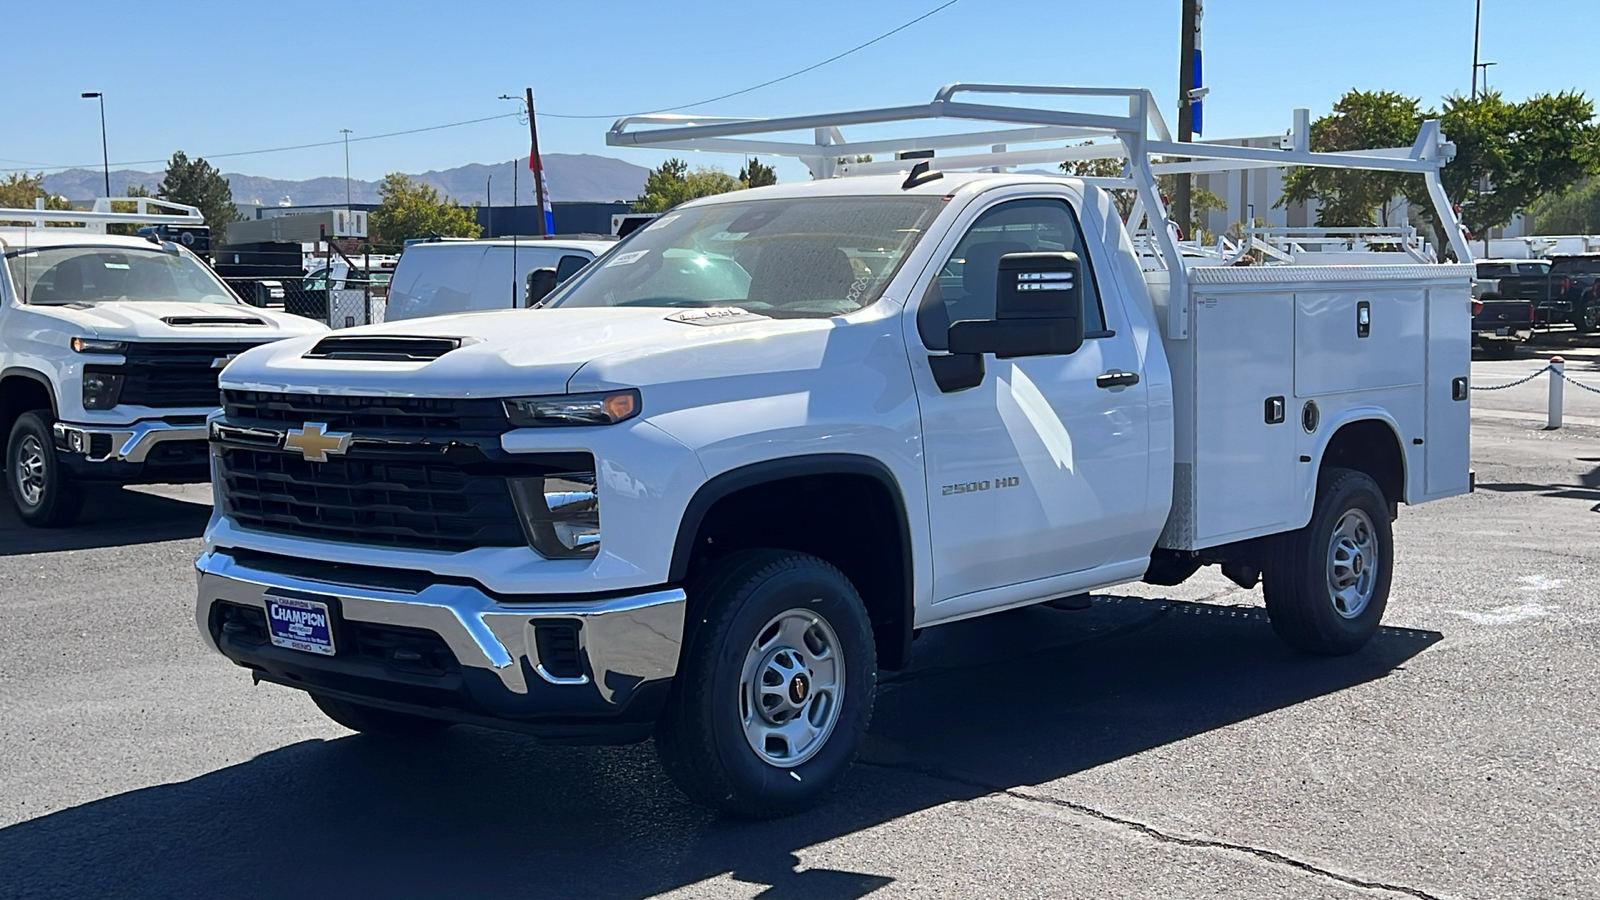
{"type": "Point", "coordinates": [540, 283]}
{"type": "Point", "coordinates": [1038, 309]}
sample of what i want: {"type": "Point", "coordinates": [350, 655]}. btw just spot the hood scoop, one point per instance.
{"type": "Point", "coordinates": [182, 321]}
{"type": "Point", "coordinates": [385, 348]}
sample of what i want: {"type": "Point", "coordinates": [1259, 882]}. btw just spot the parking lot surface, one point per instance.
{"type": "Point", "coordinates": [1161, 743]}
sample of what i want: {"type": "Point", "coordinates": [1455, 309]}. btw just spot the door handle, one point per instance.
{"type": "Point", "coordinates": [1114, 378]}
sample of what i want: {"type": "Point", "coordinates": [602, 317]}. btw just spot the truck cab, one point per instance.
{"type": "Point", "coordinates": [722, 477]}
{"type": "Point", "coordinates": [110, 348]}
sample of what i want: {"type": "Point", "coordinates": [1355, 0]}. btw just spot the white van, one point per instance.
{"type": "Point", "coordinates": [458, 276]}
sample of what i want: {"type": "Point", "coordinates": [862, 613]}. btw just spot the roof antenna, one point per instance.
{"type": "Point", "coordinates": [920, 175]}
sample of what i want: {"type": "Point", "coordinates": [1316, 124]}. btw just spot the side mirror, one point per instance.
{"type": "Point", "coordinates": [540, 283]}
{"type": "Point", "coordinates": [569, 266]}
{"type": "Point", "coordinates": [1038, 309]}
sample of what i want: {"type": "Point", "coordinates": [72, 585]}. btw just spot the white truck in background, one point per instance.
{"type": "Point", "coordinates": [110, 347]}
{"type": "Point", "coordinates": [723, 476]}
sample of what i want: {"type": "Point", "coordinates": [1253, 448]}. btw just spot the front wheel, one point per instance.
{"type": "Point", "coordinates": [1328, 583]}
{"type": "Point", "coordinates": [44, 493]}
{"type": "Point", "coordinates": [775, 688]}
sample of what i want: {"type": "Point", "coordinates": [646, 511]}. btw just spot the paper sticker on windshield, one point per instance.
{"type": "Point", "coordinates": [729, 235]}
{"type": "Point", "coordinates": [627, 259]}
{"type": "Point", "coordinates": [714, 315]}
{"type": "Point", "coordinates": [111, 265]}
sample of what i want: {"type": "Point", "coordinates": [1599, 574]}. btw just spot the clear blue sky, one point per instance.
{"type": "Point", "coordinates": [215, 78]}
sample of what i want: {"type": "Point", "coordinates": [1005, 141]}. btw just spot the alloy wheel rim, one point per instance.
{"type": "Point", "coordinates": [29, 468]}
{"type": "Point", "coordinates": [791, 688]}
{"type": "Point", "coordinates": [1353, 562]}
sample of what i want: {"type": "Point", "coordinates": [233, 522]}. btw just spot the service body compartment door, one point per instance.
{"type": "Point", "coordinates": [1244, 480]}
{"type": "Point", "coordinates": [1449, 427]}
{"type": "Point", "coordinates": [1358, 340]}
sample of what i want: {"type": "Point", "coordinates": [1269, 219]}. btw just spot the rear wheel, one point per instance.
{"type": "Point", "coordinates": [1328, 583]}
{"type": "Point", "coordinates": [775, 688]}
{"type": "Point", "coordinates": [1587, 318]}
{"type": "Point", "coordinates": [44, 493]}
{"type": "Point", "coordinates": [372, 720]}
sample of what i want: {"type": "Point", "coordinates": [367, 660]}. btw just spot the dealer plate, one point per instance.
{"type": "Point", "coordinates": [298, 624]}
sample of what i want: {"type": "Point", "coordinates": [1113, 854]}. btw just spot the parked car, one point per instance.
{"type": "Point", "coordinates": [1578, 279]}
{"type": "Point", "coordinates": [435, 278]}
{"type": "Point", "coordinates": [1498, 326]}
{"type": "Point", "coordinates": [728, 472]}
{"type": "Point", "coordinates": [110, 348]}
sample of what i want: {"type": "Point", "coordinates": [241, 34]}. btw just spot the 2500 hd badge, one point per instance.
{"type": "Point", "coordinates": [973, 487]}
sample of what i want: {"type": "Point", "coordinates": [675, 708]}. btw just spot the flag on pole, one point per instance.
{"type": "Point", "coordinates": [1197, 96]}
{"type": "Point", "coordinates": [536, 166]}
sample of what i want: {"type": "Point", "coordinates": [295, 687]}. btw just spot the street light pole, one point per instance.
{"type": "Point", "coordinates": [488, 203]}
{"type": "Point", "coordinates": [105, 154]}
{"type": "Point", "coordinates": [346, 132]}
{"type": "Point", "coordinates": [1485, 67]}
{"type": "Point", "coordinates": [1477, 29]}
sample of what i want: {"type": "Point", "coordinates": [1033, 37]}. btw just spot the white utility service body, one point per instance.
{"type": "Point", "coordinates": [803, 419]}
{"type": "Point", "coordinates": [76, 302]}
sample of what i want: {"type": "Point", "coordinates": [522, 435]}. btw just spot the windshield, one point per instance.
{"type": "Point", "coordinates": [1577, 265]}
{"type": "Point", "coordinates": [53, 276]}
{"type": "Point", "coordinates": [814, 257]}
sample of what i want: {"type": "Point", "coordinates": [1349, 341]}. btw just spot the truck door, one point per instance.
{"type": "Point", "coordinates": [1041, 468]}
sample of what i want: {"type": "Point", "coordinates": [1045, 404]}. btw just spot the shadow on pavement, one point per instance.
{"type": "Point", "coordinates": [112, 517]}
{"type": "Point", "coordinates": [1013, 700]}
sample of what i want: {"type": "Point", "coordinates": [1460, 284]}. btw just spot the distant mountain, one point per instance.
{"type": "Point", "coordinates": [571, 176]}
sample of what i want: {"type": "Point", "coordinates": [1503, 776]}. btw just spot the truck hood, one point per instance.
{"type": "Point", "coordinates": [505, 353]}
{"type": "Point", "coordinates": [149, 320]}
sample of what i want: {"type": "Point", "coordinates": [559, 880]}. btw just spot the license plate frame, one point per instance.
{"type": "Point", "coordinates": [1502, 332]}
{"type": "Point", "coordinates": [302, 624]}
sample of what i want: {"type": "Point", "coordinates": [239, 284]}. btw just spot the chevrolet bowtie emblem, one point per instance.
{"type": "Point", "coordinates": [315, 442]}
{"type": "Point", "coordinates": [221, 362]}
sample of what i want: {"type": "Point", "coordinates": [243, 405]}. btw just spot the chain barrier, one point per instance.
{"type": "Point", "coordinates": [1569, 380]}
{"type": "Point", "coordinates": [1501, 387]}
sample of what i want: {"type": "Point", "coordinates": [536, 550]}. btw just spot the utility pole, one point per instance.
{"type": "Point", "coordinates": [346, 132]}
{"type": "Point", "coordinates": [537, 165]}
{"type": "Point", "coordinates": [105, 154]}
{"type": "Point", "coordinates": [488, 203]}
{"type": "Point", "coordinates": [1186, 86]}
{"type": "Point", "coordinates": [1477, 29]}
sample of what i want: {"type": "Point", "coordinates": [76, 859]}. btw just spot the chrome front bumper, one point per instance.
{"type": "Point", "coordinates": [128, 443]}
{"type": "Point", "coordinates": [625, 642]}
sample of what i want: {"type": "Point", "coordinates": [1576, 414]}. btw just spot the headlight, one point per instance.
{"type": "Point", "coordinates": [101, 390]}
{"type": "Point", "coordinates": [573, 409]}
{"type": "Point", "coordinates": [560, 513]}
{"type": "Point", "coordinates": [94, 345]}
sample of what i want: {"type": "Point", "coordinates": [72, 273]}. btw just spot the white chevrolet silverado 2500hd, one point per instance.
{"type": "Point", "coordinates": [722, 477]}
{"type": "Point", "coordinates": [110, 347]}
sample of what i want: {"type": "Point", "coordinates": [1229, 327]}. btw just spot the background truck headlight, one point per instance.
{"type": "Point", "coordinates": [560, 513]}
{"type": "Point", "coordinates": [101, 390]}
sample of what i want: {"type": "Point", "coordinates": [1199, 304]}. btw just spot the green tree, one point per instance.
{"type": "Point", "coordinates": [197, 183]}
{"type": "Point", "coordinates": [408, 209]}
{"type": "Point", "coordinates": [19, 190]}
{"type": "Point", "coordinates": [1361, 120]}
{"type": "Point", "coordinates": [123, 206]}
{"type": "Point", "coordinates": [1508, 157]}
{"type": "Point", "coordinates": [1573, 211]}
{"type": "Point", "coordinates": [672, 183]}
{"type": "Point", "coordinates": [754, 174]}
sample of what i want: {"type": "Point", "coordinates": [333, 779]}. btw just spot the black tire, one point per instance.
{"type": "Point", "coordinates": [1585, 318]}
{"type": "Point", "coordinates": [382, 722]}
{"type": "Point", "coordinates": [42, 490]}
{"type": "Point", "coordinates": [1300, 592]}
{"type": "Point", "coordinates": [701, 737]}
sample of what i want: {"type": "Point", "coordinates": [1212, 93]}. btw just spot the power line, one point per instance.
{"type": "Point", "coordinates": [211, 156]}
{"type": "Point", "coordinates": [374, 137]}
{"type": "Point", "coordinates": [796, 73]}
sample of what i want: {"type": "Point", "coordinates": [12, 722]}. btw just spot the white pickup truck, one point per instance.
{"type": "Point", "coordinates": [110, 347]}
{"type": "Point", "coordinates": [727, 473]}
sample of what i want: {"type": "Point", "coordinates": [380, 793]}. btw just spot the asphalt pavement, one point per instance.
{"type": "Point", "coordinates": [1160, 744]}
